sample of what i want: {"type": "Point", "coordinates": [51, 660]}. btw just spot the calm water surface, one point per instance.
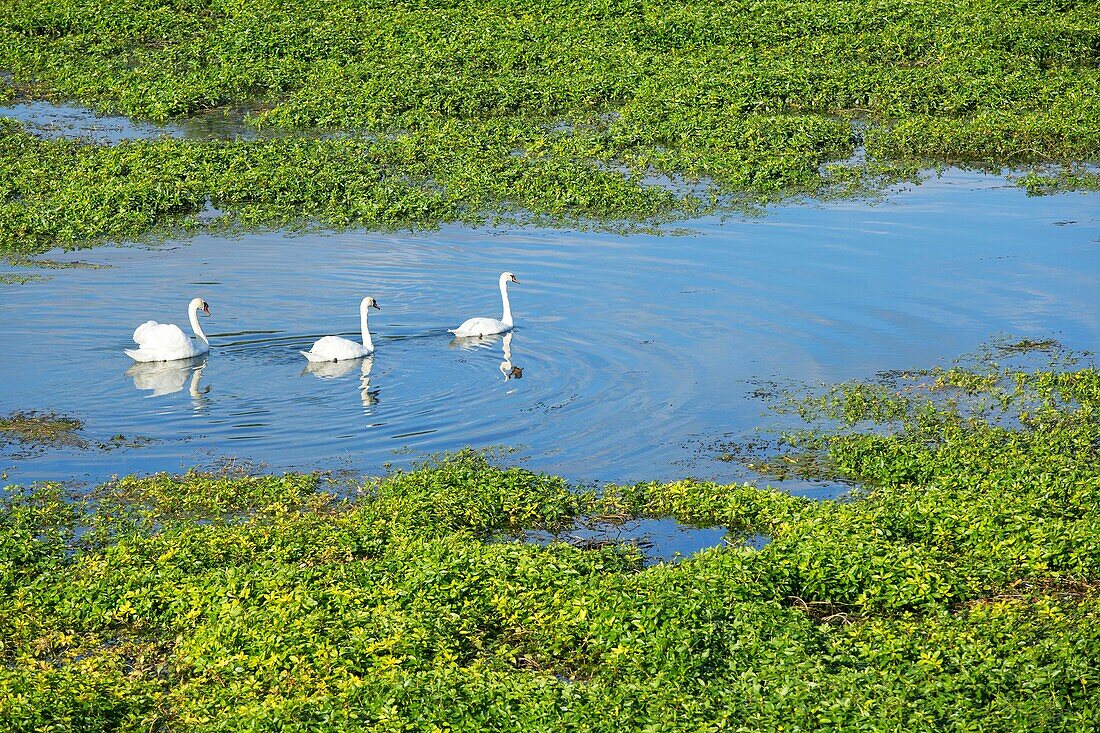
{"type": "Point", "coordinates": [637, 352]}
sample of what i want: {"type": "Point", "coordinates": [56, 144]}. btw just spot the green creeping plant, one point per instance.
{"type": "Point", "coordinates": [956, 589]}
{"type": "Point", "coordinates": [576, 113]}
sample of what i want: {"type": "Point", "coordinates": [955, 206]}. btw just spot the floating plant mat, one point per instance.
{"type": "Point", "coordinates": [960, 585]}
{"type": "Point", "coordinates": [560, 112]}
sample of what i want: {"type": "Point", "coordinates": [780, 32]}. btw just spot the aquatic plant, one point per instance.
{"type": "Point", "coordinates": [577, 111]}
{"type": "Point", "coordinates": [17, 278]}
{"type": "Point", "coordinates": [66, 193]}
{"type": "Point", "coordinates": [957, 590]}
{"type": "Point", "coordinates": [34, 431]}
{"type": "Point", "coordinates": [41, 427]}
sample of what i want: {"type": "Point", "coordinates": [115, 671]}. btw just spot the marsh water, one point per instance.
{"type": "Point", "coordinates": [638, 352]}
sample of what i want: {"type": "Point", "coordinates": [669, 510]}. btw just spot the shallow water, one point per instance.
{"type": "Point", "coordinates": [660, 540]}
{"type": "Point", "coordinates": [50, 121]}
{"type": "Point", "coordinates": [637, 352]}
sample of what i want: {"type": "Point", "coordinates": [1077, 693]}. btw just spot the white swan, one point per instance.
{"type": "Point", "coordinates": [335, 348]}
{"type": "Point", "coordinates": [167, 342]}
{"type": "Point", "coordinates": [489, 326]}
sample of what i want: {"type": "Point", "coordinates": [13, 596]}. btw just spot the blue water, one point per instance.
{"type": "Point", "coordinates": [50, 121]}
{"type": "Point", "coordinates": [638, 352]}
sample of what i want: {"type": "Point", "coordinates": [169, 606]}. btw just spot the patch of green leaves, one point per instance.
{"type": "Point", "coordinates": [565, 112]}
{"type": "Point", "coordinates": [959, 590]}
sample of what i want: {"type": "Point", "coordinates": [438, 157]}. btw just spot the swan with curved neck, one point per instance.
{"type": "Point", "coordinates": [336, 348]}
{"type": "Point", "coordinates": [167, 341]}
{"type": "Point", "coordinates": [489, 326]}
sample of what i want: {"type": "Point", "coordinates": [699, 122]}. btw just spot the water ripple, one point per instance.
{"type": "Point", "coordinates": [631, 353]}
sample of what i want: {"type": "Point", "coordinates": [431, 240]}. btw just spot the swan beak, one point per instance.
{"type": "Point", "coordinates": [206, 308]}
{"type": "Point", "coordinates": [515, 280]}
{"type": "Point", "coordinates": [376, 306]}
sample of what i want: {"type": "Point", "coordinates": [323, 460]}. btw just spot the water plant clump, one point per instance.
{"type": "Point", "coordinates": [19, 278]}
{"type": "Point", "coordinates": [567, 111]}
{"type": "Point", "coordinates": [35, 431]}
{"type": "Point", "coordinates": [957, 589]}
{"type": "Point", "coordinates": [42, 428]}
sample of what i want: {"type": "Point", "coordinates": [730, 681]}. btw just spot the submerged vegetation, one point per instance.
{"type": "Point", "coordinates": [17, 278]}
{"type": "Point", "coordinates": [42, 428]}
{"type": "Point", "coordinates": [583, 111]}
{"type": "Point", "coordinates": [959, 589]}
{"type": "Point", "coordinates": [36, 431]}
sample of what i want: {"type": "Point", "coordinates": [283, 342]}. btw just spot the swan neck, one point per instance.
{"type": "Point", "coordinates": [367, 343]}
{"type": "Point", "coordinates": [193, 314]}
{"type": "Point", "coordinates": [506, 319]}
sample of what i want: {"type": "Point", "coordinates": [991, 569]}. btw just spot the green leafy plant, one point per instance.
{"type": "Point", "coordinates": [956, 589]}
{"type": "Point", "coordinates": [575, 112]}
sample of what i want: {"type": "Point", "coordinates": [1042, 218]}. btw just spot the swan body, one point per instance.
{"type": "Point", "coordinates": [489, 326]}
{"type": "Point", "coordinates": [167, 341]}
{"type": "Point", "coordinates": [337, 348]}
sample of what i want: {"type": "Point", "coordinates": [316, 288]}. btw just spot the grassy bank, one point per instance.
{"type": "Point", "coordinates": [957, 591]}
{"type": "Point", "coordinates": [461, 111]}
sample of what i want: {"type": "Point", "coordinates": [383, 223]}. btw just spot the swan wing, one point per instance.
{"type": "Point", "coordinates": [480, 327]}
{"type": "Point", "coordinates": [162, 342]}
{"type": "Point", "coordinates": [140, 330]}
{"type": "Point", "coordinates": [160, 336]}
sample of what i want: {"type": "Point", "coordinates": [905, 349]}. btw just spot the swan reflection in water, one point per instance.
{"type": "Point", "coordinates": [334, 369]}
{"type": "Point", "coordinates": [507, 368]}
{"type": "Point", "coordinates": [168, 377]}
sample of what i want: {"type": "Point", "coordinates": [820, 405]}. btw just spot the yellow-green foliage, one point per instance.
{"type": "Point", "coordinates": [957, 591]}
{"type": "Point", "coordinates": [463, 111]}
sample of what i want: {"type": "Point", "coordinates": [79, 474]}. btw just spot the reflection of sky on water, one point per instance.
{"type": "Point", "coordinates": [50, 121]}
{"type": "Point", "coordinates": [636, 350]}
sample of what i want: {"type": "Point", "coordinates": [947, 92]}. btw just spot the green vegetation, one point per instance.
{"type": "Point", "coordinates": [452, 111]}
{"type": "Point", "coordinates": [64, 193]}
{"type": "Point", "coordinates": [958, 590]}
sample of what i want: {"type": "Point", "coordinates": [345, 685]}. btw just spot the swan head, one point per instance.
{"type": "Point", "coordinates": [507, 276]}
{"type": "Point", "coordinates": [199, 304]}
{"type": "Point", "coordinates": [369, 302]}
